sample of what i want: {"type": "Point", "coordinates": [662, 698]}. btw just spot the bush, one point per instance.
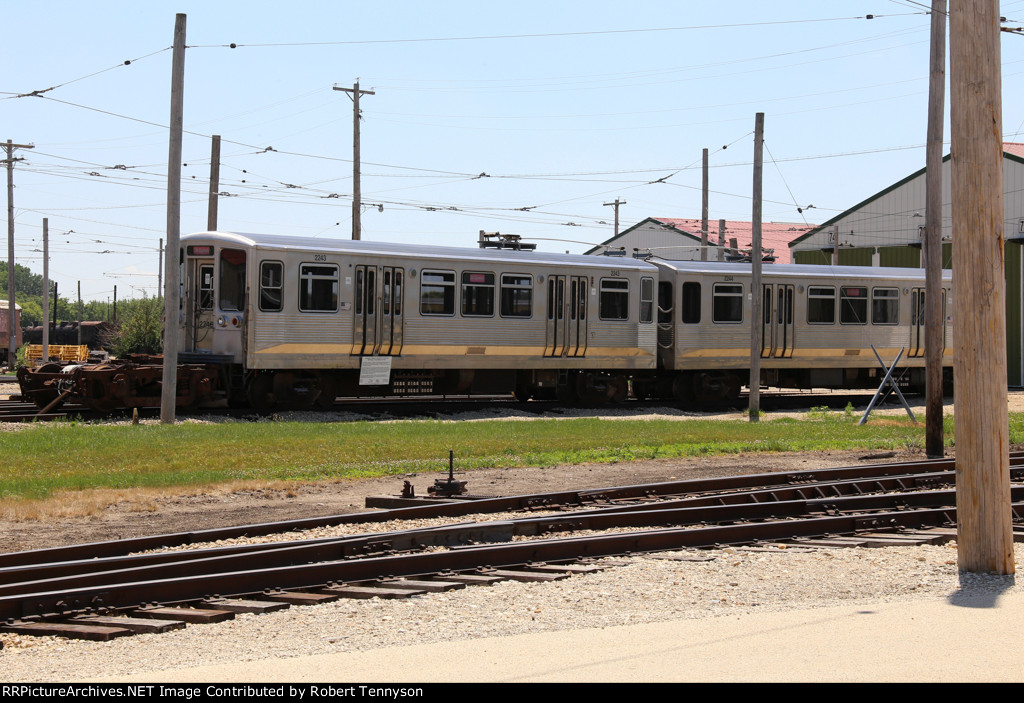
{"type": "Point", "coordinates": [139, 329]}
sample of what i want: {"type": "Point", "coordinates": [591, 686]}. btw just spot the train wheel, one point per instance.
{"type": "Point", "coordinates": [709, 389]}
{"type": "Point", "coordinates": [328, 392]}
{"type": "Point", "coordinates": [259, 391]}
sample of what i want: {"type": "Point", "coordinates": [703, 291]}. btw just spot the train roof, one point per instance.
{"type": "Point", "coordinates": [796, 270]}
{"type": "Point", "coordinates": [369, 247]}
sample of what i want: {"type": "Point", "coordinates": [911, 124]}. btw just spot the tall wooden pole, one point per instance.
{"type": "Point", "coordinates": [704, 208]}
{"type": "Point", "coordinates": [721, 240]}
{"type": "Point", "coordinates": [756, 294]}
{"type": "Point", "coordinates": [357, 226]}
{"type": "Point", "coordinates": [984, 528]}
{"type": "Point", "coordinates": [12, 323]}
{"type": "Point", "coordinates": [169, 384]}
{"type": "Point", "coordinates": [616, 203]}
{"type": "Point", "coordinates": [211, 208]}
{"type": "Point", "coordinates": [934, 324]}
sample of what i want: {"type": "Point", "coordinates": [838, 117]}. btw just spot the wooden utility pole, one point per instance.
{"type": "Point", "coordinates": [616, 203]}
{"type": "Point", "coordinates": [79, 313]}
{"type": "Point", "coordinates": [46, 289]}
{"type": "Point", "coordinates": [756, 294]}
{"type": "Point", "coordinates": [721, 240]}
{"type": "Point", "coordinates": [211, 210]}
{"type": "Point", "coordinates": [169, 384]}
{"type": "Point", "coordinates": [12, 324]}
{"type": "Point", "coordinates": [704, 208]}
{"type": "Point", "coordinates": [357, 227]}
{"type": "Point", "coordinates": [835, 245]}
{"type": "Point", "coordinates": [984, 528]}
{"type": "Point", "coordinates": [934, 324]}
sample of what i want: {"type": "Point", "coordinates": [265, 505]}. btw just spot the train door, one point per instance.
{"type": "Point", "coordinates": [198, 305]}
{"type": "Point", "coordinates": [917, 332]}
{"type": "Point", "coordinates": [917, 322]}
{"type": "Point", "coordinates": [777, 321]}
{"type": "Point", "coordinates": [555, 338]}
{"type": "Point", "coordinates": [390, 311]}
{"type": "Point", "coordinates": [377, 311]}
{"type": "Point", "coordinates": [576, 319]}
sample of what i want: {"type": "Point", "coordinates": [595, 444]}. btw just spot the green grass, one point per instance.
{"type": "Point", "coordinates": [40, 461]}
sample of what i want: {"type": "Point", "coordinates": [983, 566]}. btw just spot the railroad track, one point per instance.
{"type": "Point", "coordinates": [109, 589]}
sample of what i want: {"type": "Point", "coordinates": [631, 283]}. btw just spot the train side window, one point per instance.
{"type": "Point", "coordinates": [885, 306]}
{"type": "Point", "coordinates": [727, 302]}
{"type": "Point", "coordinates": [646, 299]}
{"type": "Point", "coordinates": [614, 299]}
{"type": "Point", "coordinates": [271, 274]}
{"type": "Point", "coordinates": [691, 303]}
{"type": "Point", "coordinates": [437, 293]}
{"type": "Point", "coordinates": [232, 279]}
{"type": "Point", "coordinates": [821, 305]}
{"type": "Point", "coordinates": [516, 295]}
{"type": "Point", "coordinates": [853, 305]}
{"type": "Point", "coordinates": [477, 294]}
{"type": "Point", "coordinates": [318, 288]}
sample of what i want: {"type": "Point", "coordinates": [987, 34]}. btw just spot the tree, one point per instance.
{"type": "Point", "coordinates": [139, 328]}
{"type": "Point", "coordinates": [25, 282]}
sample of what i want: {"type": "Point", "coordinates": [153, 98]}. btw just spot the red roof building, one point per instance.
{"type": "Point", "coordinates": [679, 238]}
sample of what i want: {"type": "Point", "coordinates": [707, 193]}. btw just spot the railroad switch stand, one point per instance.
{"type": "Point", "coordinates": [446, 488]}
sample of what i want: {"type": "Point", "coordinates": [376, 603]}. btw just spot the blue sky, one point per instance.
{"type": "Point", "coordinates": [563, 105]}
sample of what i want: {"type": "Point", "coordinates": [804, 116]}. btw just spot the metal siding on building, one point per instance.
{"type": "Point", "coordinates": [855, 257]}
{"type": "Point", "coordinates": [902, 257]}
{"type": "Point", "coordinates": [815, 257]}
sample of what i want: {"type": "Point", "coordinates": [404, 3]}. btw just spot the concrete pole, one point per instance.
{"type": "Point", "coordinates": [704, 208]}
{"type": "Point", "coordinates": [211, 211]}
{"type": "Point", "coordinates": [169, 384]}
{"type": "Point", "coordinates": [46, 289]}
{"type": "Point", "coordinates": [756, 294]}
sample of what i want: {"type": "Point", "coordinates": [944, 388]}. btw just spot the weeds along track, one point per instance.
{"type": "Point", "coordinates": [110, 589]}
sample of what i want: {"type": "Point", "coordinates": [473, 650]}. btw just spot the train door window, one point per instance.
{"type": "Point", "coordinates": [206, 287]}
{"type": "Point", "coordinates": [574, 295]}
{"type": "Point", "coordinates": [232, 279]}
{"type": "Point", "coordinates": [477, 294]}
{"type": "Point", "coordinates": [437, 293]}
{"type": "Point", "coordinates": [853, 305]}
{"type": "Point", "coordinates": [691, 303]}
{"type": "Point", "coordinates": [386, 294]}
{"type": "Point", "coordinates": [821, 305]}
{"type": "Point", "coordinates": [396, 293]}
{"type": "Point", "coordinates": [614, 299]}
{"type": "Point", "coordinates": [516, 295]}
{"type": "Point", "coordinates": [271, 273]}
{"type": "Point", "coordinates": [727, 302]}
{"type": "Point", "coordinates": [646, 299]}
{"type": "Point", "coordinates": [885, 306]}
{"type": "Point", "coordinates": [318, 288]}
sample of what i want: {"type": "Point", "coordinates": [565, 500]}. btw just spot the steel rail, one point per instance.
{"type": "Point", "coordinates": [486, 505]}
{"type": "Point", "coordinates": [292, 554]}
{"type": "Point", "coordinates": [306, 576]}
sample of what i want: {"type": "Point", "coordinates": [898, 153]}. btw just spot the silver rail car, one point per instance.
{"type": "Point", "coordinates": [301, 320]}
{"type": "Point", "coordinates": [819, 324]}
